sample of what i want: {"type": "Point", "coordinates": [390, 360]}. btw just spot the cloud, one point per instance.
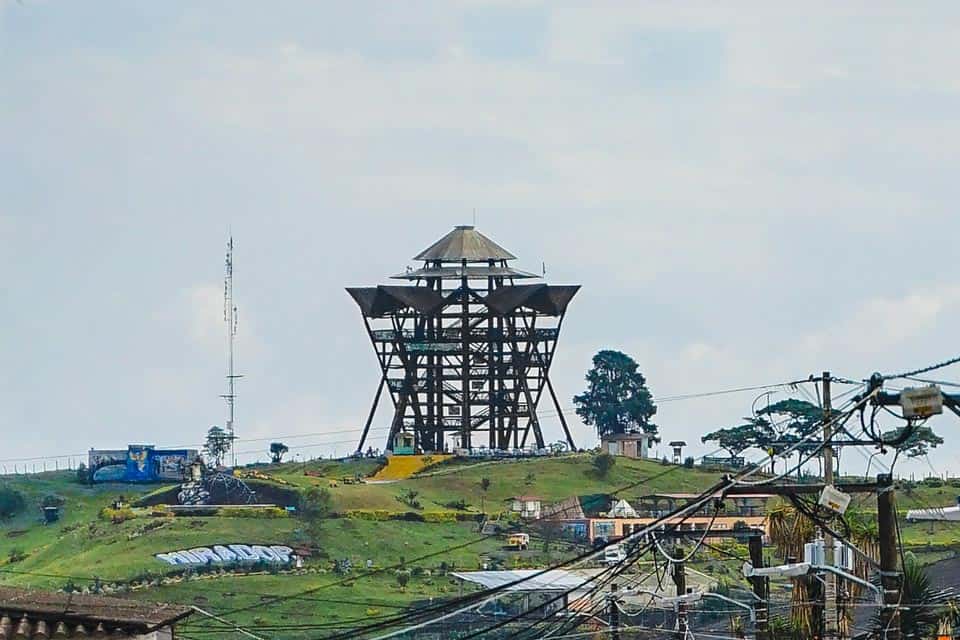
{"type": "Point", "coordinates": [739, 191]}
{"type": "Point", "coordinates": [886, 323]}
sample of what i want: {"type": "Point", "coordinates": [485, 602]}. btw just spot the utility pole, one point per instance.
{"type": "Point", "coordinates": [680, 579]}
{"type": "Point", "coordinates": [761, 606]}
{"type": "Point", "coordinates": [890, 576]}
{"type": "Point", "coordinates": [614, 613]}
{"type": "Point", "coordinates": [830, 627]}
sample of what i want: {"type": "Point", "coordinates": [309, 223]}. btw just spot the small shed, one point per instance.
{"type": "Point", "coordinates": [630, 445]}
{"type": "Point", "coordinates": [677, 446]}
{"type": "Point", "coordinates": [403, 444]}
{"type": "Point", "coordinates": [528, 507]}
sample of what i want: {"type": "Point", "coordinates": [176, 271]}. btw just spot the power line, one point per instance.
{"type": "Point", "coordinates": [697, 503]}
{"type": "Point", "coordinates": [922, 370]}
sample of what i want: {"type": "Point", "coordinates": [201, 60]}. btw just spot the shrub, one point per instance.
{"type": "Point", "coordinates": [602, 464]}
{"type": "Point", "coordinates": [315, 506]}
{"type": "Point", "coordinates": [11, 502]}
{"type": "Point", "coordinates": [409, 498]}
{"type": "Point", "coordinates": [375, 515]}
{"type": "Point", "coordinates": [116, 516]}
{"type": "Point", "coordinates": [16, 555]}
{"type": "Point", "coordinates": [52, 500]}
{"type": "Point", "coordinates": [403, 578]}
{"type": "Point", "coordinates": [932, 481]}
{"type": "Point", "coordinates": [439, 516]}
{"type": "Point", "coordinates": [688, 462]}
{"type": "Point", "coordinates": [459, 505]}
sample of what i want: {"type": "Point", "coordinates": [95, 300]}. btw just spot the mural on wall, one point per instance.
{"type": "Point", "coordinates": [217, 488]}
{"type": "Point", "coordinates": [140, 463]}
{"type": "Point", "coordinates": [229, 554]}
{"type": "Point", "coordinates": [107, 465]}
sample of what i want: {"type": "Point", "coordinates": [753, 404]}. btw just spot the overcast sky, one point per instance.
{"type": "Point", "coordinates": [747, 194]}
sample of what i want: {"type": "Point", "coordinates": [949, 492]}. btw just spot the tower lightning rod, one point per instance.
{"type": "Point", "coordinates": [230, 319]}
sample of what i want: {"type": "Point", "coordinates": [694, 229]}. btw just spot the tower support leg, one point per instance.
{"type": "Point", "coordinates": [563, 420]}
{"type": "Point", "coordinates": [373, 412]}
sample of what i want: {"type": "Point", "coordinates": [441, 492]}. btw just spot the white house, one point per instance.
{"type": "Point", "coordinates": [528, 507]}
{"type": "Point", "coordinates": [631, 445]}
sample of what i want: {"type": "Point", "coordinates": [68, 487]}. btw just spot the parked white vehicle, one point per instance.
{"type": "Point", "coordinates": [614, 554]}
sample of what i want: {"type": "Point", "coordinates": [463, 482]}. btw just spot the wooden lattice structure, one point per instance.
{"type": "Point", "coordinates": [464, 350]}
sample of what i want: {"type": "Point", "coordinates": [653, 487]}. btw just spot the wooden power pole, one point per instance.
{"type": "Point", "coordinates": [761, 606]}
{"type": "Point", "coordinates": [614, 613]}
{"type": "Point", "coordinates": [680, 579]}
{"type": "Point", "coordinates": [890, 576]}
{"type": "Point", "coordinates": [830, 627]}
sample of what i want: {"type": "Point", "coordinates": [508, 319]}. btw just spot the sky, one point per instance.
{"type": "Point", "coordinates": [748, 193]}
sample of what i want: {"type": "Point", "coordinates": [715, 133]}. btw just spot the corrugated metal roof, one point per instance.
{"type": "Point", "coordinates": [552, 580]}
{"type": "Point", "coordinates": [464, 243]}
{"type": "Point", "coordinates": [73, 609]}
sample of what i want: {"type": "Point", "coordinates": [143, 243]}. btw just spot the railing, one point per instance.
{"type": "Point", "coordinates": [477, 334]}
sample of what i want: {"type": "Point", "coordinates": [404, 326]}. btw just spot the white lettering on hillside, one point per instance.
{"type": "Point", "coordinates": [228, 554]}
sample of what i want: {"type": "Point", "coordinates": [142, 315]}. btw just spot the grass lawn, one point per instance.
{"type": "Point", "coordinates": [82, 545]}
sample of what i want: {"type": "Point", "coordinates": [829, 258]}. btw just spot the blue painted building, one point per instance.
{"type": "Point", "coordinates": [140, 463]}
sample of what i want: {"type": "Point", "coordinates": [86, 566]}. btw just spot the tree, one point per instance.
{"type": "Point", "coordinates": [733, 440]}
{"type": "Point", "coordinates": [403, 578]}
{"type": "Point", "coordinates": [83, 476]}
{"type": "Point", "coordinates": [11, 502]}
{"type": "Point", "coordinates": [315, 506]}
{"type": "Point", "coordinates": [918, 443]}
{"type": "Point", "coordinates": [617, 399]}
{"type": "Point", "coordinates": [602, 464]}
{"type": "Point", "coordinates": [484, 486]}
{"type": "Point", "coordinates": [277, 450]}
{"type": "Point", "coordinates": [784, 424]}
{"type": "Point", "coordinates": [218, 444]}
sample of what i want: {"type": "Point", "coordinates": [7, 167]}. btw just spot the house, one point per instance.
{"type": "Point", "coordinates": [607, 529]}
{"type": "Point", "coordinates": [678, 446]}
{"type": "Point", "coordinates": [622, 509]}
{"type": "Point", "coordinates": [624, 518]}
{"type": "Point", "coordinates": [528, 507]}
{"type": "Point", "coordinates": [744, 505]}
{"type": "Point", "coordinates": [27, 614]}
{"type": "Point", "coordinates": [631, 445]}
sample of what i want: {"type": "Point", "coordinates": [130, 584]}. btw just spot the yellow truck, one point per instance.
{"type": "Point", "coordinates": [518, 541]}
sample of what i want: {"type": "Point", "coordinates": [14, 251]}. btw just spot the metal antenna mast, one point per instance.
{"type": "Point", "coordinates": [230, 318]}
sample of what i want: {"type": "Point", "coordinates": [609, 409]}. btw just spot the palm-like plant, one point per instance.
{"type": "Point", "coordinates": [921, 604]}
{"type": "Point", "coordinates": [789, 531]}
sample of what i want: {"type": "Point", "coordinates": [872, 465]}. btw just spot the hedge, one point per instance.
{"type": "Point", "coordinates": [382, 515]}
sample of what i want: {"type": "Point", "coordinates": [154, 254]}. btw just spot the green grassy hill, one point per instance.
{"type": "Point", "coordinates": [83, 544]}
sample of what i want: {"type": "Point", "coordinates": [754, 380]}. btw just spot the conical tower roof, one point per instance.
{"type": "Point", "coordinates": [464, 243]}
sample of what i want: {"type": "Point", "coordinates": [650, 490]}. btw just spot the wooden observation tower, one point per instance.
{"type": "Point", "coordinates": [464, 350]}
